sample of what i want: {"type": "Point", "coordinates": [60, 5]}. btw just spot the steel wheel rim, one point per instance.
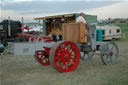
{"type": "Point", "coordinates": [42, 58]}
{"type": "Point", "coordinates": [110, 53]}
{"type": "Point", "coordinates": [65, 56]}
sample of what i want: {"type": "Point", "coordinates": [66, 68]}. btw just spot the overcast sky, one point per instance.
{"type": "Point", "coordinates": [30, 9]}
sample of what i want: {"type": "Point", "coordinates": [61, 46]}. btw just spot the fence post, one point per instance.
{"type": "Point", "coordinates": [123, 35]}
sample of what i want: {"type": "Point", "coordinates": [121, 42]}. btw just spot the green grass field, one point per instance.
{"type": "Point", "coordinates": [124, 30]}
{"type": "Point", "coordinates": [25, 70]}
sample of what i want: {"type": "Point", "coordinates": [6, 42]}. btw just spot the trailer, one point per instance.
{"type": "Point", "coordinates": [64, 55]}
{"type": "Point", "coordinates": [110, 32]}
{"type": "Point", "coordinates": [52, 25]}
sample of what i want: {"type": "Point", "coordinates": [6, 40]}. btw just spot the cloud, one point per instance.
{"type": "Point", "coordinates": [114, 11]}
{"type": "Point", "coordinates": [57, 0]}
{"type": "Point", "coordinates": [34, 7]}
{"type": "Point", "coordinates": [37, 8]}
{"type": "Point", "coordinates": [14, 15]}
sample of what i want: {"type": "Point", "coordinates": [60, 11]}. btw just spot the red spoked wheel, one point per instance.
{"type": "Point", "coordinates": [65, 56]}
{"type": "Point", "coordinates": [42, 57]}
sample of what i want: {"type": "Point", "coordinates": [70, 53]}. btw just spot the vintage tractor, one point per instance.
{"type": "Point", "coordinates": [77, 42]}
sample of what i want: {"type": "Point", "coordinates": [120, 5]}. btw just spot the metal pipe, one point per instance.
{"type": "Point", "coordinates": [22, 20]}
{"type": "Point", "coordinates": [9, 27]}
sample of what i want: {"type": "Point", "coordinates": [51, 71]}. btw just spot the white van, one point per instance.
{"type": "Point", "coordinates": [110, 32]}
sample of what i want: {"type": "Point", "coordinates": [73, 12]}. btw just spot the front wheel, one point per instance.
{"type": "Point", "coordinates": [109, 53]}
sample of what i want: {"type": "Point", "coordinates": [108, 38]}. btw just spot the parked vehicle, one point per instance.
{"type": "Point", "coordinates": [8, 32]}
{"type": "Point", "coordinates": [110, 32]}
{"type": "Point", "coordinates": [12, 31]}
{"type": "Point", "coordinates": [1, 48]}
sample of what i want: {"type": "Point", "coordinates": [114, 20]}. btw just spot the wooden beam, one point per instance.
{"type": "Point", "coordinates": [56, 16]}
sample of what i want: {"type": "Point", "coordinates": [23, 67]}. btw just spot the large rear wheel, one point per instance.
{"type": "Point", "coordinates": [64, 56]}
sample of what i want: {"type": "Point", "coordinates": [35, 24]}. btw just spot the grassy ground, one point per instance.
{"type": "Point", "coordinates": [122, 37]}
{"type": "Point", "coordinates": [25, 70]}
{"type": "Point", "coordinates": [124, 30]}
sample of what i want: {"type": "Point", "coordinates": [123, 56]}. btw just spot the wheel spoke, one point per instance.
{"type": "Point", "coordinates": [72, 62]}
{"type": "Point", "coordinates": [67, 47]}
{"type": "Point", "coordinates": [66, 66]}
{"type": "Point", "coordinates": [73, 55]}
{"type": "Point", "coordinates": [70, 51]}
{"type": "Point", "coordinates": [58, 58]}
{"type": "Point", "coordinates": [112, 47]}
{"type": "Point", "coordinates": [106, 49]}
{"type": "Point", "coordinates": [43, 57]}
{"type": "Point", "coordinates": [59, 64]}
{"type": "Point", "coordinates": [105, 53]}
{"type": "Point", "coordinates": [110, 57]}
{"type": "Point", "coordinates": [115, 54]}
{"type": "Point", "coordinates": [106, 57]}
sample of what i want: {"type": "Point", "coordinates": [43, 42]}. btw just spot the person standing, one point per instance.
{"type": "Point", "coordinates": [81, 19]}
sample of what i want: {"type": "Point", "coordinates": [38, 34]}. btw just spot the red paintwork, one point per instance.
{"type": "Point", "coordinates": [35, 37]}
{"type": "Point", "coordinates": [111, 53]}
{"type": "Point", "coordinates": [43, 56]}
{"type": "Point", "coordinates": [66, 57]}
